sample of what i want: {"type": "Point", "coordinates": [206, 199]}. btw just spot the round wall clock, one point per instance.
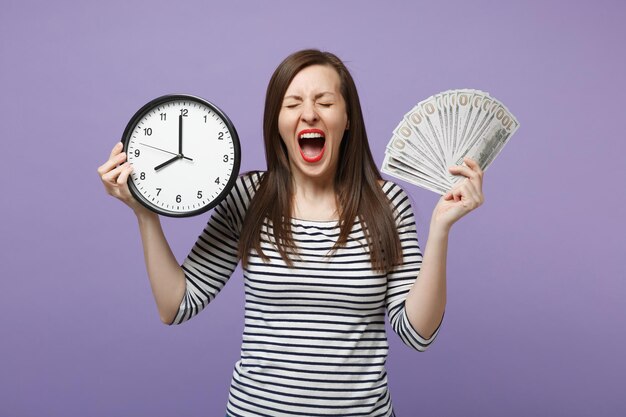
{"type": "Point", "coordinates": [185, 155]}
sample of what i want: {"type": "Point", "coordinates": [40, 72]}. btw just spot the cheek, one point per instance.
{"type": "Point", "coordinates": [285, 134]}
{"type": "Point", "coordinates": [340, 123]}
{"type": "Point", "coordinates": [284, 126]}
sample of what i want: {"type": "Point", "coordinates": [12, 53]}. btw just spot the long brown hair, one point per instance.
{"type": "Point", "coordinates": [356, 181]}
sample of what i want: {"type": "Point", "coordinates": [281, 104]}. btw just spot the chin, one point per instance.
{"type": "Point", "coordinates": [319, 171]}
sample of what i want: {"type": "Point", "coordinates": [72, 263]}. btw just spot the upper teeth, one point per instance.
{"type": "Point", "coordinates": [311, 135]}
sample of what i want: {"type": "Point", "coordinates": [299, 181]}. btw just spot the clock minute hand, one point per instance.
{"type": "Point", "coordinates": [166, 163]}
{"type": "Point", "coordinates": [180, 134]}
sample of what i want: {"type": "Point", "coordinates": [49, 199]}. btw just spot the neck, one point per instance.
{"type": "Point", "coordinates": [314, 198]}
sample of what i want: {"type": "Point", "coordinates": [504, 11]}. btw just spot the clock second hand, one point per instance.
{"type": "Point", "coordinates": [163, 150]}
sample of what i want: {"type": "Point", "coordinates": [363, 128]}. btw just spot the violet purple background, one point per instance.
{"type": "Point", "coordinates": [535, 322]}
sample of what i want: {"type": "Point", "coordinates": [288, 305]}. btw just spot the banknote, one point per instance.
{"type": "Point", "coordinates": [399, 170]}
{"type": "Point", "coordinates": [441, 131]}
{"type": "Point", "coordinates": [401, 148]}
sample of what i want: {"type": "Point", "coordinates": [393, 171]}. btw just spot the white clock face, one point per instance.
{"type": "Point", "coordinates": [183, 155]}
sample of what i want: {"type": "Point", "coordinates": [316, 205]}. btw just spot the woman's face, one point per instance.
{"type": "Point", "coordinates": [312, 121]}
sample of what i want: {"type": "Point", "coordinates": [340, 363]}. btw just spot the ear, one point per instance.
{"type": "Point", "coordinates": [348, 125]}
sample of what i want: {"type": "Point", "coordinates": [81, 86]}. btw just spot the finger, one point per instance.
{"type": "Point", "coordinates": [474, 173]}
{"type": "Point", "coordinates": [476, 168]}
{"type": "Point", "coordinates": [472, 164]}
{"type": "Point", "coordinates": [457, 195]}
{"type": "Point", "coordinates": [463, 170]}
{"type": "Point", "coordinates": [116, 149]}
{"type": "Point", "coordinates": [112, 163]}
{"type": "Point", "coordinates": [450, 195]}
{"type": "Point", "coordinates": [476, 192]}
{"type": "Point", "coordinates": [123, 178]}
{"type": "Point", "coordinates": [462, 192]}
{"type": "Point", "coordinates": [472, 185]}
{"type": "Point", "coordinates": [456, 192]}
{"type": "Point", "coordinates": [111, 176]}
{"type": "Point", "coordinates": [472, 198]}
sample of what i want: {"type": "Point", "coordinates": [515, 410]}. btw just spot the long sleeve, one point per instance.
{"type": "Point", "coordinates": [213, 258]}
{"type": "Point", "coordinates": [401, 278]}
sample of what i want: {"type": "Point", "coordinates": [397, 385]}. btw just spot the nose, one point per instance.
{"type": "Point", "coordinates": [309, 113]}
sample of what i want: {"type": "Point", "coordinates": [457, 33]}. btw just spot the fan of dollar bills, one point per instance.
{"type": "Point", "coordinates": [439, 131]}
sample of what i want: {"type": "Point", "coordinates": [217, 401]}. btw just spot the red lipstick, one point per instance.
{"type": "Point", "coordinates": [302, 132]}
{"type": "Point", "coordinates": [312, 143]}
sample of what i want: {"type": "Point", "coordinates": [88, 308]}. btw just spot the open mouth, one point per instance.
{"type": "Point", "coordinates": [311, 143]}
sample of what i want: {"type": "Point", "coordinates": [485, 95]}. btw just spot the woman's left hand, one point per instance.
{"type": "Point", "coordinates": [464, 197]}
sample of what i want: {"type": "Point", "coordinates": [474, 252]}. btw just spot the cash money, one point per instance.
{"type": "Point", "coordinates": [443, 129]}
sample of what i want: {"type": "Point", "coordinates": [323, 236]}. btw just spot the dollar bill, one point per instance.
{"type": "Point", "coordinates": [399, 170]}
{"type": "Point", "coordinates": [441, 131]}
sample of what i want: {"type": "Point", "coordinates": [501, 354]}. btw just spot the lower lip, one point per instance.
{"type": "Point", "coordinates": [312, 159]}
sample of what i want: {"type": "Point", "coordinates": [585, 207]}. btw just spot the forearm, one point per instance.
{"type": "Point", "coordinates": [426, 301]}
{"type": "Point", "coordinates": [166, 276]}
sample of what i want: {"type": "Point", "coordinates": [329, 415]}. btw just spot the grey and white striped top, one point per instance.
{"type": "Point", "coordinates": [314, 342]}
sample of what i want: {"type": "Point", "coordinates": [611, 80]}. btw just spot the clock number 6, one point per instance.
{"type": "Point", "coordinates": [178, 199]}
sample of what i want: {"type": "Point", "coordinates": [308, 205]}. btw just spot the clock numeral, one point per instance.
{"type": "Point", "coordinates": [184, 112]}
{"type": "Point", "coordinates": [220, 135]}
{"type": "Point", "coordinates": [142, 176]}
{"type": "Point", "coordinates": [137, 153]}
{"type": "Point", "coordinates": [217, 180]}
{"type": "Point", "coordinates": [163, 116]}
{"type": "Point", "coordinates": [205, 116]}
{"type": "Point", "coordinates": [225, 158]}
{"type": "Point", "coordinates": [178, 199]}
{"type": "Point", "coordinates": [199, 195]}
{"type": "Point", "coordinates": [158, 191]}
{"type": "Point", "coordinates": [147, 131]}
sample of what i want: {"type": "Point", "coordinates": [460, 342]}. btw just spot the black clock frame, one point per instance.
{"type": "Point", "coordinates": [130, 127]}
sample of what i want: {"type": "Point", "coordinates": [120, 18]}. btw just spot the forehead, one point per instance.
{"type": "Point", "coordinates": [315, 79]}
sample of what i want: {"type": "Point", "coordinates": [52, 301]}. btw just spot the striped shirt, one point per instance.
{"type": "Point", "coordinates": [314, 340]}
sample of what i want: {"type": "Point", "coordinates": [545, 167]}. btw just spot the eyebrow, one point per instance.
{"type": "Point", "coordinates": [316, 96]}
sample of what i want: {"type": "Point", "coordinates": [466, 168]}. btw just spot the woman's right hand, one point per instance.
{"type": "Point", "coordinates": [114, 175]}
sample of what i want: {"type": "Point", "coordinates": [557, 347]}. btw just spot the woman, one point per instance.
{"type": "Point", "coordinates": [327, 248]}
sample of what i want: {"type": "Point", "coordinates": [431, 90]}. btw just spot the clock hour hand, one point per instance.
{"type": "Point", "coordinates": [163, 150]}
{"type": "Point", "coordinates": [166, 163]}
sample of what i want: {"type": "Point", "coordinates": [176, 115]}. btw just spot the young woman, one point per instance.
{"type": "Point", "coordinates": [327, 248]}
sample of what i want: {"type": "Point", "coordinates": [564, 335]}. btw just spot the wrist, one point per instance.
{"type": "Point", "coordinates": [146, 216]}
{"type": "Point", "coordinates": [438, 229]}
